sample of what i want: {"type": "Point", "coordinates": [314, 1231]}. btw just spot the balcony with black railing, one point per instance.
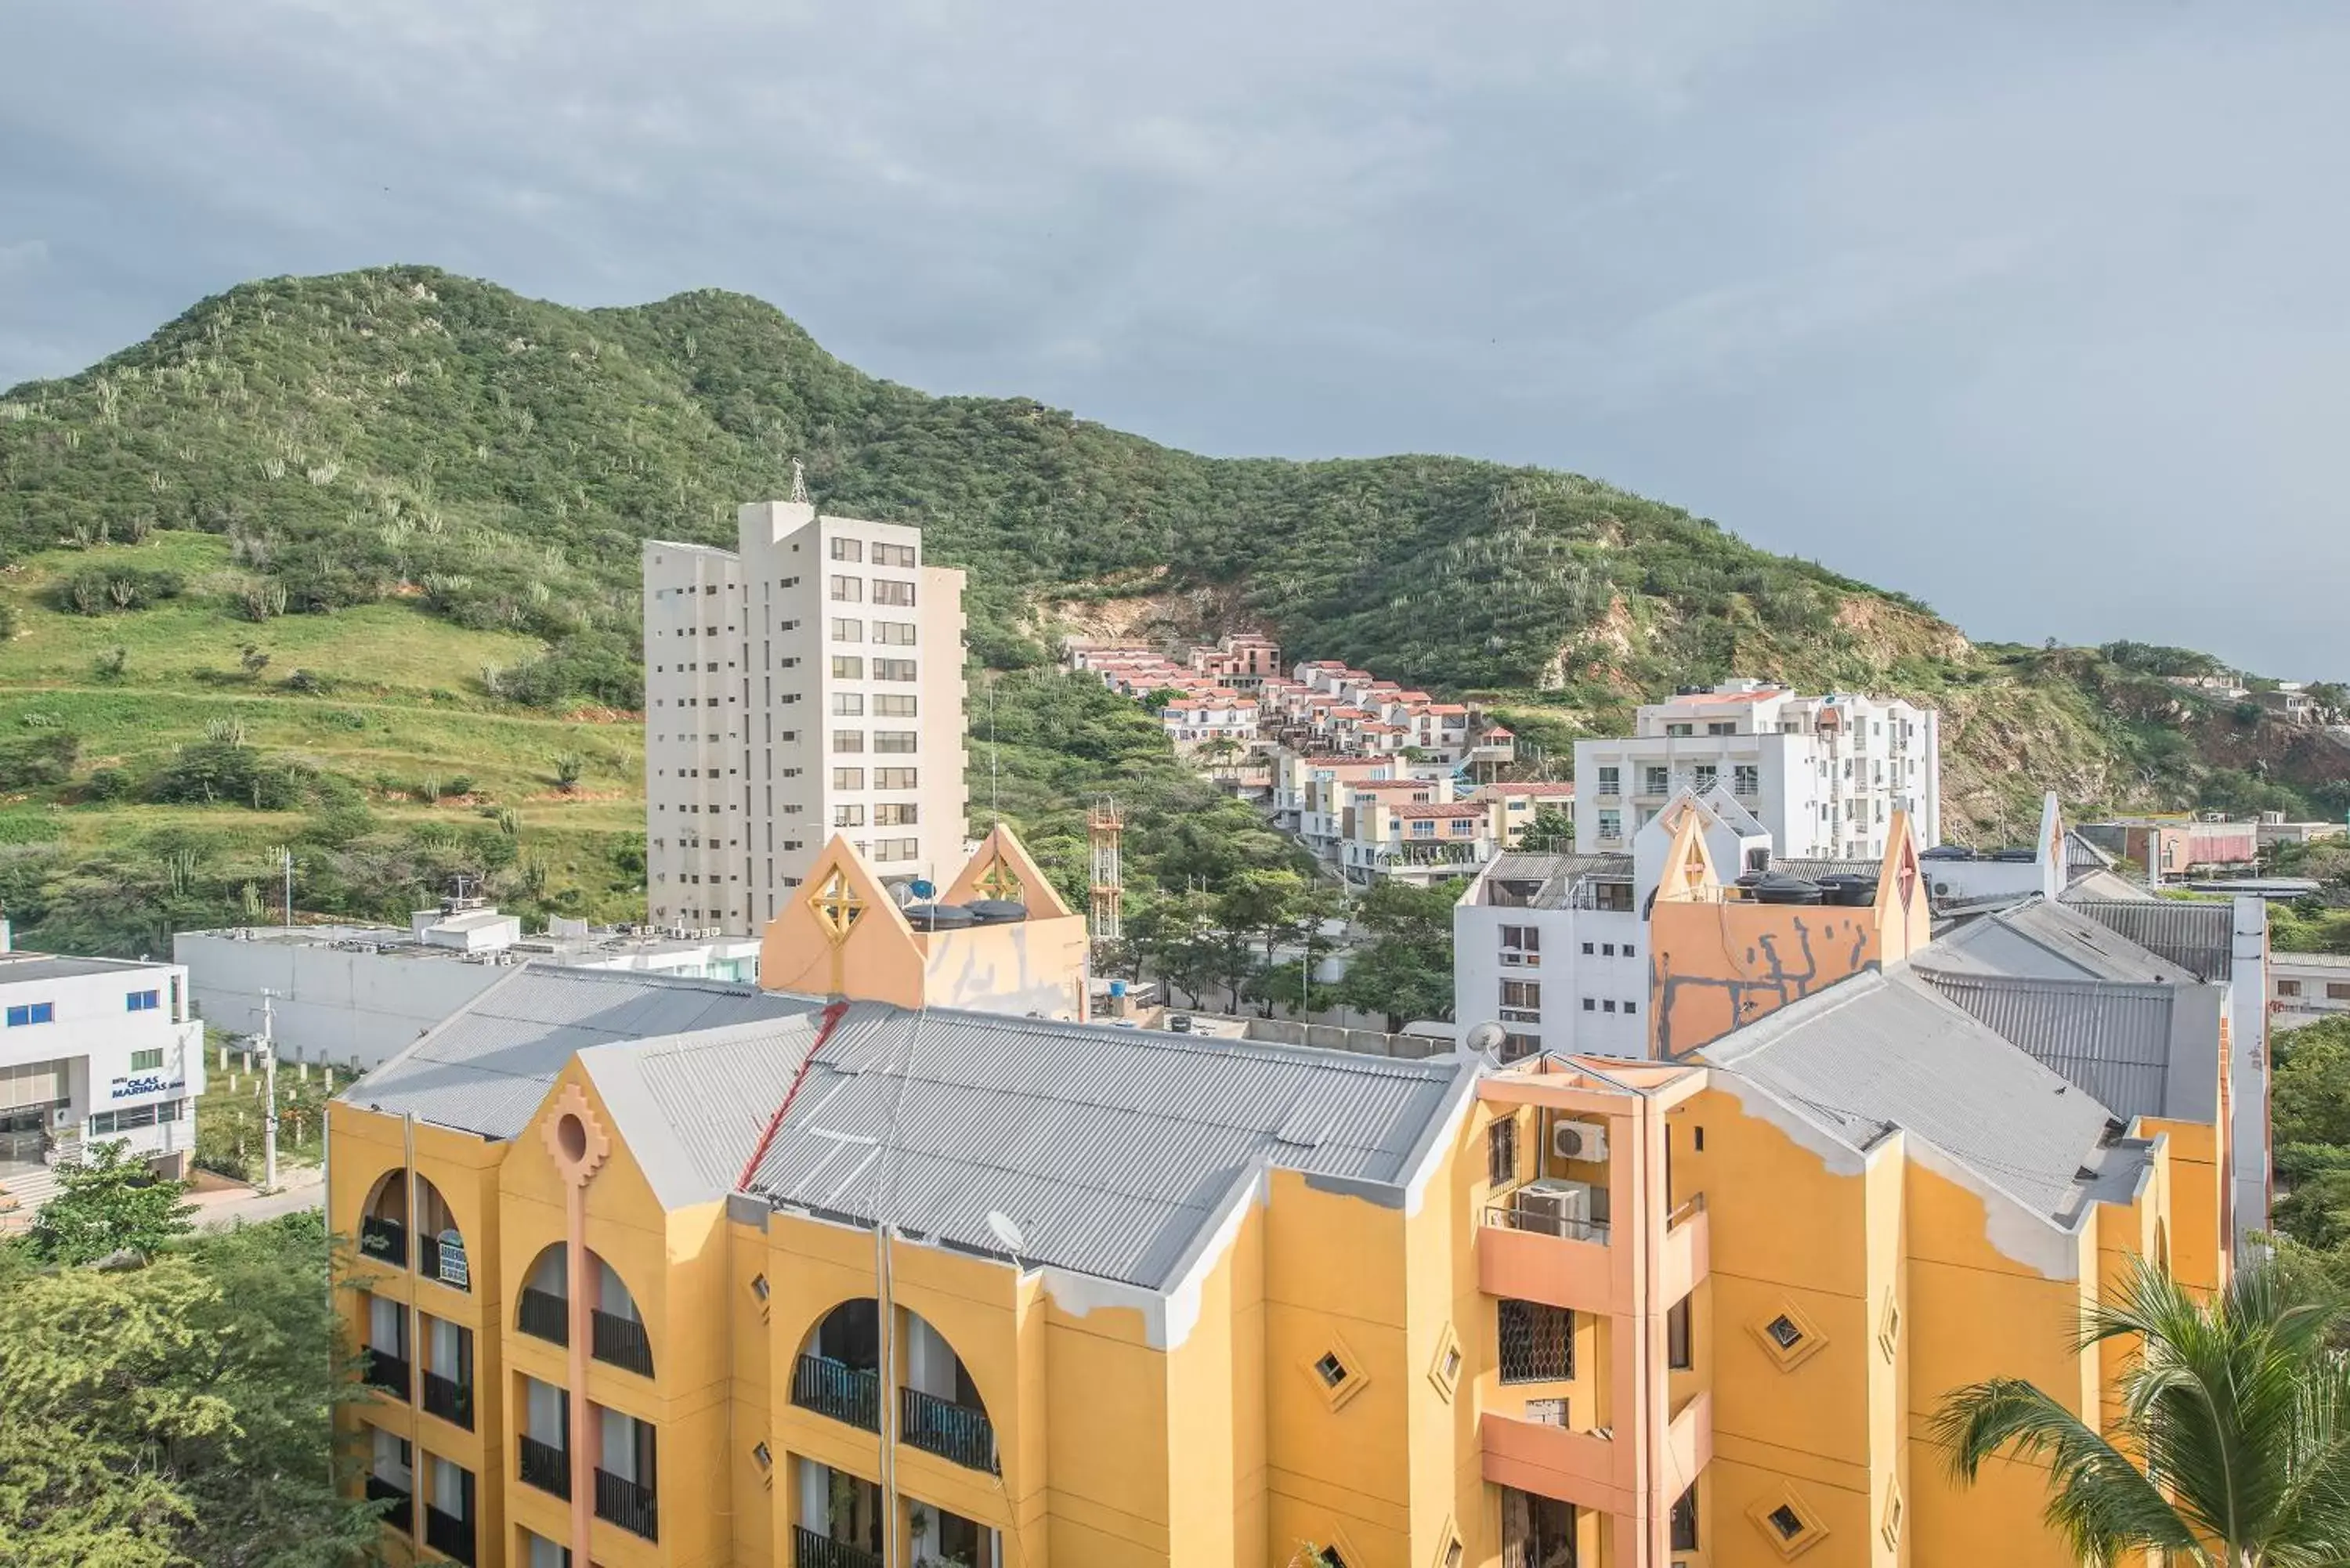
{"type": "Point", "coordinates": [626, 1504]}
{"type": "Point", "coordinates": [448, 1399]}
{"type": "Point", "coordinates": [385, 1241]}
{"type": "Point", "coordinates": [810, 1550]}
{"type": "Point", "coordinates": [545, 1466]}
{"type": "Point", "coordinates": [622, 1342]}
{"type": "Point", "coordinates": [383, 1370]}
{"type": "Point", "coordinates": [954, 1432]}
{"type": "Point", "coordinates": [834, 1388]}
{"type": "Point", "coordinates": [449, 1535]}
{"type": "Point", "coordinates": [401, 1515]}
{"type": "Point", "coordinates": [545, 1316]}
{"type": "Point", "coordinates": [444, 1261]}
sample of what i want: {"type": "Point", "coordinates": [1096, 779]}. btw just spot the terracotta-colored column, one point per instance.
{"type": "Point", "coordinates": [578, 1144]}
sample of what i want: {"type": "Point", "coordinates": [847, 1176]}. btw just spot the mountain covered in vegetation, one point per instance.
{"type": "Point", "coordinates": [345, 544]}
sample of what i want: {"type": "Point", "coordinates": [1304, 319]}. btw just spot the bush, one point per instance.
{"type": "Point", "coordinates": [108, 784]}
{"type": "Point", "coordinates": [46, 759]}
{"type": "Point", "coordinates": [592, 666]}
{"type": "Point", "coordinates": [306, 681]}
{"type": "Point", "coordinates": [100, 590]}
{"type": "Point", "coordinates": [208, 772]}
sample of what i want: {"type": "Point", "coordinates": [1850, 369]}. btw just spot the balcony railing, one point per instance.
{"type": "Point", "coordinates": [625, 1503]}
{"type": "Point", "coordinates": [622, 1342]}
{"type": "Point", "coordinates": [385, 1241]}
{"type": "Point", "coordinates": [810, 1550]}
{"type": "Point", "coordinates": [1535, 1222]}
{"type": "Point", "coordinates": [385, 1371]}
{"type": "Point", "coordinates": [546, 1466]}
{"type": "Point", "coordinates": [446, 1262]}
{"type": "Point", "coordinates": [449, 1535]}
{"type": "Point", "coordinates": [448, 1399]}
{"type": "Point", "coordinates": [834, 1388]}
{"type": "Point", "coordinates": [951, 1431]}
{"type": "Point", "coordinates": [401, 1516]}
{"type": "Point", "coordinates": [545, 1316]}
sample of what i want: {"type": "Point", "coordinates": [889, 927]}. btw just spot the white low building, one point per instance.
{"type": "Point", "coordinates": [93, 1051]}
{"type": "Point", "coordinates": [2307, 986]}
{"type": "Point", "coordinates": [357, 995]}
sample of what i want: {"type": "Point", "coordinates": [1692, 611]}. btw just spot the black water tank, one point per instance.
{"type": "Point", "coordinates": [2015, 856]}
{"type": "Point", "coordinates": [1778, 887]}
{"type": "Point", "coordinates": [1947, 852]}
{"type": "Point", "coordinates": [996, 912]}
{"type": "Point", "coordinates": [938, 917]}
{"type": "Point", "coordinates": [1849, 890]}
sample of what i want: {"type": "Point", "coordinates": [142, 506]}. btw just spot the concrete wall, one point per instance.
{"type": "Point", "coordinates": [331, 1005]}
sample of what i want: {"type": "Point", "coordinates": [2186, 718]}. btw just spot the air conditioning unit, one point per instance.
{"type": "Point", "coordinates": [61, 1116]}
{"type": "Point", "coordinates": [1554, 1208]}
{"type": "Point", "coordinates": [1578, 1140]}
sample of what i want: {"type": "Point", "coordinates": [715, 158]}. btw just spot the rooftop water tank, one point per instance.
{"type": "Point", "coordinates": [938, 917]}
{"type": "Point", "coordinates": [996, 912]}
{"type": "Point", "coordinates": [1778, 887]}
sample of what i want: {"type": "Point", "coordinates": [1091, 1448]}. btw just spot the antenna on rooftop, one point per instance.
{"type": "Point", "coordinates": [799, 482]}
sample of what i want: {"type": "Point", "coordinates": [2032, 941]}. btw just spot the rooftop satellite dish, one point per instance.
{"type": "Point", "coordinates": [1488, 1038]}
{"type": "Point", "coordinates": [923, 887]}
{"type": "Point", "coordinates": [999, 1225]}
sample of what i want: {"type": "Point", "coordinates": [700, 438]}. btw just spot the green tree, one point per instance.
{"type": "Point", "coordinates": [1552, 831]}
{"type": "Point", "coordinates": [2239, 1404]}
{"type": "Point", "coordinates": [180, 1412]}
{"type": "Point", "coordinates": [1406, 971]}
{"type": "Point", "coordinates": [109, 1203]}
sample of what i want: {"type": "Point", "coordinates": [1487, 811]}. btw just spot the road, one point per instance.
{"type": "Point", "coordinates": [218, 1209]}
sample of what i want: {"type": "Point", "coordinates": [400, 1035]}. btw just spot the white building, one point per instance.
{"type": "Point", "coordinates": [1823, 774]}
{"type": "Point", "coordinates": [2303, 987]}
{"type": "Point", "coordinates": [93, 1051]}
{"type": "Point", "coordinates": [357, 995]}
{"type": "Point", "coordinates": [807, 682]}
{"type": "Point", "coordinates": [1555, 947]}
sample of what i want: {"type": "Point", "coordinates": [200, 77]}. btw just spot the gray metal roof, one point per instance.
{"type": "Point", "coordinates": [2081, 856]}
{"type": "Point", "coordinates": [2198, 935]}
{"type": "Point", "coordinates": [692, 1108]}
{"type": "Point", "coordinates": [2105, 886]}
{"type": "Point", "coordinates": [486, 1068]}
{"type": "Point", "coordinates": [17, 967]}
{"type": "Point", "coordinates": [1813, 869]}
{"type": "Point", "coordinates": [2144, 1050]}
{"type": "Point", "coordinates": [2052, 942]}
{"type": "Point", "coordinates": [1555, 875]}
{"type": "Point", "coordinates": [1109, 1148]}
{"type": "Point", "coordinates": [1878, 1052]}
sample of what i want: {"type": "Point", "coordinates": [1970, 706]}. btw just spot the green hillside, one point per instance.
{"type": "Point", "coordinates": [368, 546]}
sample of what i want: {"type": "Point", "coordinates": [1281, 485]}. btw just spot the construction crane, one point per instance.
{"type": "Point", "coordinates": [1104, 824]}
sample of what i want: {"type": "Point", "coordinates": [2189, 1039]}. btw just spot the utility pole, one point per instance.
{"type": "Point", "coordinates": [269, 1084]}
{"type": "Point", "coordinates": [289, 853]}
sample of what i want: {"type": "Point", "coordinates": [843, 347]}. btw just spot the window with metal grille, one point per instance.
{"type": "Point", "coordinates": [1501, 1152]}
{"type": "Point", "coordinates": [1537, 1341]}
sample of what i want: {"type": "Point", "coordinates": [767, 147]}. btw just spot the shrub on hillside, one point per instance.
{"type": "Point", "coordinates": [208, 772]}
{"type": "Point", "coordinates": [44, 759]}
{"type": "Point", "coordinates": [100, 590]}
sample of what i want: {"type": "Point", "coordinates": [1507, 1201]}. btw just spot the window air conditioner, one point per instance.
{"type": "Point", "coordinates": [1578, 1140]}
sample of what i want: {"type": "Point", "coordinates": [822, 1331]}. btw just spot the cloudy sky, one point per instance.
{"type": "Point", "coordinates": [2034, 308]}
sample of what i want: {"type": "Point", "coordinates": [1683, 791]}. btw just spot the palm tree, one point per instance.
{"type": "Point", "coordinates": [2232, 1447]}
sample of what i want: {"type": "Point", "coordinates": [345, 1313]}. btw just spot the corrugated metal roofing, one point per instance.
{"type": "Point", "coordinates": [2197, 936]}
{"type": "Point", "coordinates": [2054, 941]}
{"type": "Point", "coordinates": [1109, 1147]}
{"type": "Point", "coordinates": [693, 1108]}
{"type": "Point", "coordinates": [2105, 886]}
{"type": "Point", "coordinates": [1878, 1052]}
{"type": "Point", "coordinates": [2111, 1040]}
{"type": "Point", "coordinates": [486, 1068]}
{"type": "Point", "coordinates": [1813, 870]}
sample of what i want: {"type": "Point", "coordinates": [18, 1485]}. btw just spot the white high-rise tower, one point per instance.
{"type": "Point", "coordinates": [807, 682]}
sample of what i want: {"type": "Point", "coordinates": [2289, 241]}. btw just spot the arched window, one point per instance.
{"type": "Point", "coordinates": [383, 1219]}
{"type": "Point", "coordinates": [440, 1247]}
{"type": "Point", "coordinates": [619, 1333]}
{"type": "Point", "coordinates": [545, 1310]}
{"type": "Point", "coordinates": [838, 1373]}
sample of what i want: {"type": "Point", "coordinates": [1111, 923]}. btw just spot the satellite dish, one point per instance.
{"type": "Point", "coordinates": [923, 887]}
{"type": "Point", "coordinates": [1001, 1226]}
{"type": "Point", "coordinates": [1488, 1038]}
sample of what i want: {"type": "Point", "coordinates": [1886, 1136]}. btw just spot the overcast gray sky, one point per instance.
{"type": "Point", "coordinates": [2035, 310]}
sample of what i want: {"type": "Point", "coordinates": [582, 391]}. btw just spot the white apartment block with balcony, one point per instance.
{"type": "Point", "coordinates": [1555, 947]}
{"type": "Point", "coordinates": [93, 1051]}
{"type": "Point", "coordinates": [808, 682]}
{"type": "Point", "coordinates": [1824, 775]}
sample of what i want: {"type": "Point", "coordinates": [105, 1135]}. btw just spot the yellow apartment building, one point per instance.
{"type": "Point", "coordinates": [668, 1272]}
